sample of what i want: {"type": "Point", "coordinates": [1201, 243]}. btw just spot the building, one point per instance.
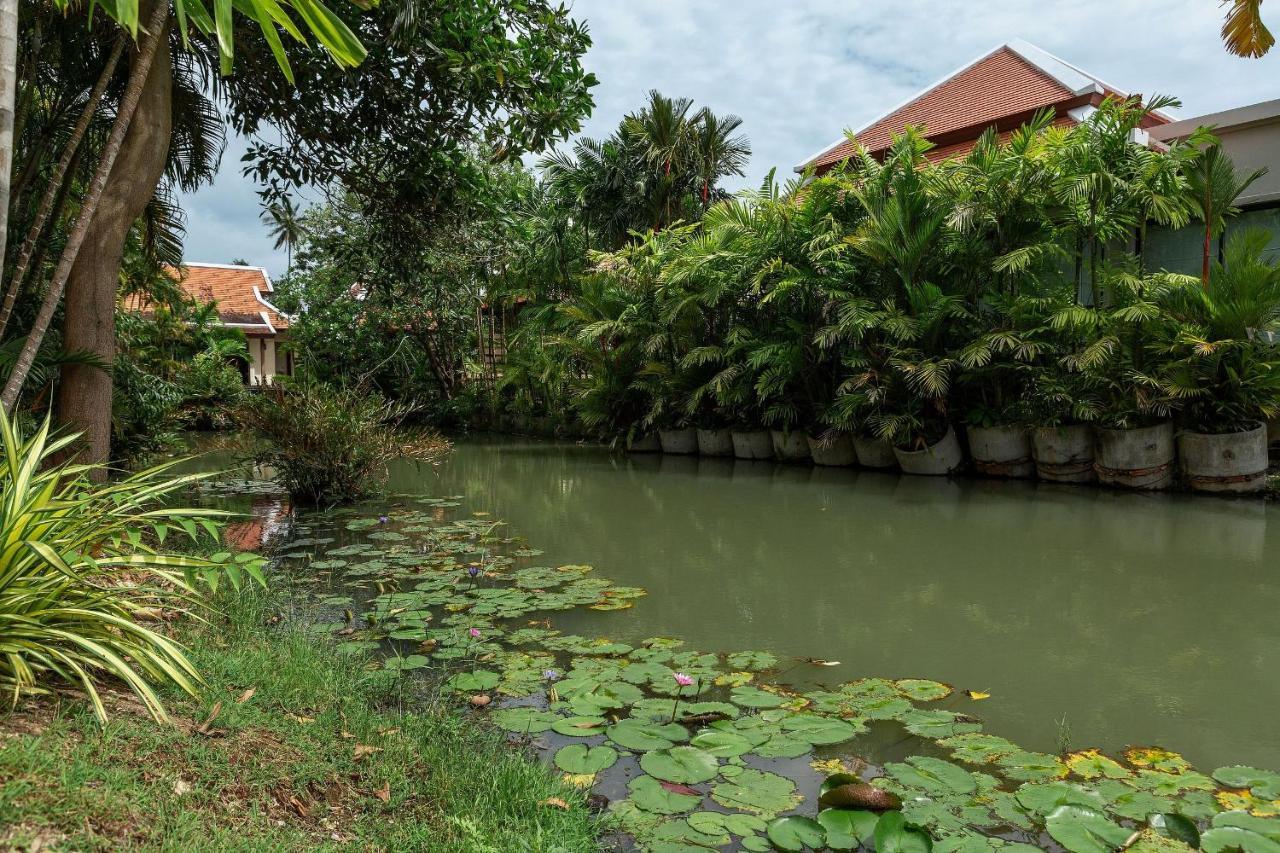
{"type": "Point", "coordinates": [240, 294]}
{"type": "Point", "coordinates": [1003, 89]}
{"type": "Point", "coordinates": [1251, 138]}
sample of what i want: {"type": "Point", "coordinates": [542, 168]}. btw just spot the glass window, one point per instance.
{"type": "Point", "coordinates": [1268, 219]}
{"type": "Point", "coordinates": [1177, 250]}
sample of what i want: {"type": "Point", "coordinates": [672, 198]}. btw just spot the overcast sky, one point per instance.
{"type": "Point", "coordinates": [800, 71]}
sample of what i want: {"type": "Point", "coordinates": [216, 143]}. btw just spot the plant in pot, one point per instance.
{"type": "Point", "coordinates": [915, 415]}
{"type": "Point", "coordinates": [1129, 360]}
{"type": "Point", "coordinates": [998, 367]}
{"type": "Point", "coordinates": [1227, 372]}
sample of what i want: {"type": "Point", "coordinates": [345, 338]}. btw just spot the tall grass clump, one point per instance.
{"type": "Point", "coordinates": [81, 570]}
{"type": "Point", "coordinates": [332, 444]}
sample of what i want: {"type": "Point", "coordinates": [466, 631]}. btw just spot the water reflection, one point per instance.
{"type": "Point", "coordinates": [1133, 618]}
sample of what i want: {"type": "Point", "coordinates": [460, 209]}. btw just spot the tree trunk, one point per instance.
{"type": "Point", "coordinates": [55, 184]}
{"type": "Point", "coordinates": [84, 392]}
{"type": "Point", "coordinates": [156, 37]}
{"type": "Point", "coordinates": [8, 91]}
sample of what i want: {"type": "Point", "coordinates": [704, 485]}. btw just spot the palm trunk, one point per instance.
{"type": "Point", "coordinates": [156, 34]}
{"type": "Point", "coordinates": [8, 92]}
{"type": "Point", "coordinates": [1204, 265]}
{"type": "Point", "coordinates": [55, 184]}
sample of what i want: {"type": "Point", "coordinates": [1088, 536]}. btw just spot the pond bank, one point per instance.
{"type": "Point", "coordinates": [293, 746]}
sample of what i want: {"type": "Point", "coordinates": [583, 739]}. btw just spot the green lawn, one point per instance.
{"type": "Point", "coordinates": [309, 750]}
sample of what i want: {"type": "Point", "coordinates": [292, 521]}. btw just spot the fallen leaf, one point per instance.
{"type": "Point", "coordinates": [246, 696]}
{"type": "Point", "coordinates": [975, 695]}
{"type": "Point", "coordinates": [676, 788]}
{"type": "Point", "coordinates": [362, 751]}
{"type": "Point", "coordinates": [480, 701]}
{"type": "Point", "coordinates": [181, 787]}
{"type": "Point", "coordinates": [395, 730]}
{"type": "Point", "coordinates": [203, 728]}
{"type": "Point", "coordinates": [556, 802]}
{"type": "Point", "coordinates": [299, 807]}
{"type": "Point", "coordinates": [384, 793]}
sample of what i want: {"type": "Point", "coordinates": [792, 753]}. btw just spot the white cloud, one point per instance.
{"type": "Point", "coordinates": [800, 72]}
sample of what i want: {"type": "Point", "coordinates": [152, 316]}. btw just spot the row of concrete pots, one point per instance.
{"type": "Point", "coordinates": [1142, 458]}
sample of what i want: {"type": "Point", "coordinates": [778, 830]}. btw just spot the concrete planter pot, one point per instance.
{"type": "Point", "coordinates": [833, 450]}
{"type": "Point", "coordinates": [1231, 462]}
{"type": "Point", "coordinates": [1001, 451]}
{"type": "Point", "coordinates": [1064, 454]}
{"type": "Point", "coordinates": [1139, 458]}
{"type": "Point", "coordinates": [752, 444]}
{"type": "Point", "coordinates": [679, 441]}
{"type": "Point", "coordinates": [647, 443]}
{"type": "Point", "coordinates": [874, 452]}
{"type": "Point", "coordinates": [936, 460]}
{"type": "Point", "coordinates": [715, 442]}
{"type": "Point", "coordinates": [789, 445]}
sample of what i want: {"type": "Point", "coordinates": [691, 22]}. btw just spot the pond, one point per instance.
{"type": "Point", "coordinates": [1125, 618]}
{"type": "Point", "coordinates": [1093, 618]}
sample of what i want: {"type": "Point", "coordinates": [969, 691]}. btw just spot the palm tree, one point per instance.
{"type": "Point", "coordinates": [1213, 187]}
{"type": "Point", "coordinates": [1243, 30]}
{"type": "Point", "coordinates": [286, 227]}
{"type": "Point", "coordinates": [717, 152]}
{"type": "Point", "coordinates": [8, 94]}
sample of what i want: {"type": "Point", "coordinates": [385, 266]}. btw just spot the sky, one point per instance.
{"type": "Point", "coordinates": [801, 71]}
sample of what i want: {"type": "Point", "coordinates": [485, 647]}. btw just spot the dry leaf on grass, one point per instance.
{"type": "Point", "coordinates": [384, 793]}
{"type": "Point", "coordinates": [556, 802]}
{"type": "Point", "coordinates": [246, 696]}
{"type": "Point", "coordinates": [363, 750]}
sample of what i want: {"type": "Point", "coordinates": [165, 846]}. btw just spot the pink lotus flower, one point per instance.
{"type": "Point", "coordinates": [475, 633]}
{"type": "Point", "coordinates": [683, 680]}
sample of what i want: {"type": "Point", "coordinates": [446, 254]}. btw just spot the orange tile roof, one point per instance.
{"type": "Point", "coordinates": [241, 293]}
{"type": "Point", "coordinates": [1004, 88]}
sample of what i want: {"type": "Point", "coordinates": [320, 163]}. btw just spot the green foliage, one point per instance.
{"type": "Point", "coordinates": [332, 444]}
{"type": "Point", "coordinates": [84, 566]}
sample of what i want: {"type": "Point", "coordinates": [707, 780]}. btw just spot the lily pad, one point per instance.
{"type": "Point", "coordinates": [756, 791]}
{"type": "Point", "coordinates": [716, 823]}
{"type": "Point", "coordinates": [643, 736]}
{"type": "Point", "coordinates": [722, 744]}
{"type": "Point", "coordinates": [524, 720]}
{"type": "Point", "coordinates": [922, 690]}
{"type": "Point", "coordinates": [752, 661]}
{"type": "Point", "coordinates": [652, 795]}
{"type": "Point", "coordinates": [686, 765]}
{"type": "Point", "coordinates": [580, 758]}
{"type": "Point", "coordinates": [848, 828]}
{"type": "Point", "coordinates": [753, 697]}
{"type": "Point", "coordinates": [474, 681]}
{"type": "Point", "coordinates": [797, 833]}
{"type": "Point", "coordinates": [1083, 830]}
{"type": "Point", "coordinates": [892, 835]}
{"type": "Point", "coordinates": [579, 726]}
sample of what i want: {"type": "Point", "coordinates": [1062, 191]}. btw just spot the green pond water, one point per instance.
{"type": "Point", "coordinates": [1110, 619]}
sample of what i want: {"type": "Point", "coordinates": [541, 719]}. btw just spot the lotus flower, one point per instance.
{"type": "Point", "coordinates": [683, 680]}
{"type": "Point", "coordinates": [475, 633]}
{"type": "Point", "coordinates": [550, 675]}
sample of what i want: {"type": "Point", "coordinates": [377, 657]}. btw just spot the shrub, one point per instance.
{"type": "Point", "coordinates": [80, 568]}
{"type": "Point", "coordinates": [332, 444]}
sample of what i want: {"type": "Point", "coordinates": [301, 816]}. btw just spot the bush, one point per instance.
{"type": "Point", "coordinates": [81, 568]}
{"type": "Point", "coordinates": [332, 444]}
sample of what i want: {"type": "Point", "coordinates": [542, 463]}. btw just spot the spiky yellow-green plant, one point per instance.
{"type": "Point", "coordinates": [81, 569]}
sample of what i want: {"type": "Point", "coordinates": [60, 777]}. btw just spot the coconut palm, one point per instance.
{"type": "Point", "coordinates": [1243, 30]}
{"type": "Point", "coordinates": [286, 227]}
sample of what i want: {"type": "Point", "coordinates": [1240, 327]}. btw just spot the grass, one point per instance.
{"type": "Point", "coordinates": [291, 746]}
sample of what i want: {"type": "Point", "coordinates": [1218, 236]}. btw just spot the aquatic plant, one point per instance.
{"type": "Point", "coordinates": [713, 733]}
{"type": "Point", "coordinates": [331, 444]}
